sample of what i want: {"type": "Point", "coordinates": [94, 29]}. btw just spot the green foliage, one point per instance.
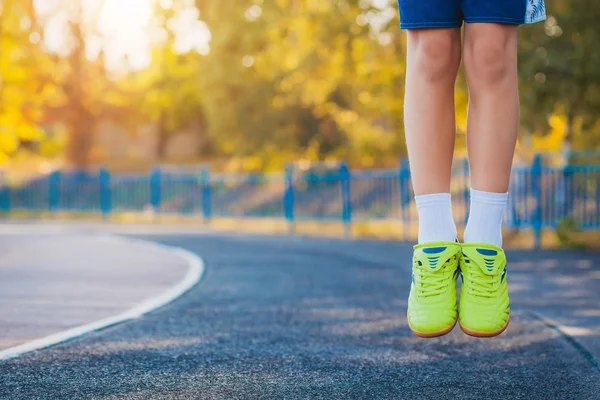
{"type": "Point", "coordinates": [283, 79]}
{"type": "Point", "coordinates": [559, 70]}
{"type": "Point", "coordinates": [305, 79]}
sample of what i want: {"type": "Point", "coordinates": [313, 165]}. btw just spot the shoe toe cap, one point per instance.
{"type": "Point", "coordinates": [430, 322]}
{"type": "Point", "coordinates": [483, 322]}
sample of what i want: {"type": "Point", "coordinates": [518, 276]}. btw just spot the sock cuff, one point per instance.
{"type": "Point", "coordinates": [436, 199]}
{"type": "Point", "coordinates": [490, 198]}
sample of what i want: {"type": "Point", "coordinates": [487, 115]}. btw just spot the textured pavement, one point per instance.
{"type": "Point", "coordinates": [298, 318]}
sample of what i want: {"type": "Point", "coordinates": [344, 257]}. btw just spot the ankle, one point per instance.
{"type": "Point", "coordinates": [485, 218]}
{"type": "Point", "coordinates": [435, 218]}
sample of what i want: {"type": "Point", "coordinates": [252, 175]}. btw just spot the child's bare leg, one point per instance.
{"type": "Point", "coordinates": [490, 59]}
{"type": "Point", "coordinates": [432, 65]}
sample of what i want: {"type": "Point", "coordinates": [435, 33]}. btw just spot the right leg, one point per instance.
{"type": "Point", "coordinates": [432, 66]}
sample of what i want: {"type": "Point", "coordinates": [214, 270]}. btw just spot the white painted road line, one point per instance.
{"type": "Point", "coordinates": [193, 276]}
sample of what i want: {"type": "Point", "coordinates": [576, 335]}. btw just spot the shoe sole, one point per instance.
{"type": "Point", "coordinates": [484, 334]}
{"type": "Point", "coordinates": [428, 335]}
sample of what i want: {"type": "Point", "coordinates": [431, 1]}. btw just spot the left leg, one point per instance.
{"type": "Point", "coordinates": [490, 59]}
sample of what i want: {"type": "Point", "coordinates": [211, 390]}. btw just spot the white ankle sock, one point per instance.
{"type": "Point", "coordinates": [435, 218]}
{"type": "Point", "coordinates": [485, 218]}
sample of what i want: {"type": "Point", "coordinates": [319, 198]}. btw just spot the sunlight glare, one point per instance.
{"type": "Point", "coordinates": [122, 29]}
{"type": "Point", "coordinates": [123, 24]}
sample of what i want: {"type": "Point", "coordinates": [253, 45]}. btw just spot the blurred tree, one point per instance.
{"type": "Point", "coordinates": [281, 80]}
{"type": "Point", "coordinates": [24, 85]}
{"type": "Point", "coordinates": [559, 71]}
{"type": "Point", "coordinates": [171, 84]}
{"type": "Point", "coordinates": [344, 61]}
{"type": "Point", "coordinates": [319, 79]}
{"type": "Point", "coordinates": [90, 94]}
{"type": "Point", "coordinates": [237, 99]}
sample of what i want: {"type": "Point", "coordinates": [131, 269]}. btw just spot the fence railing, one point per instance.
{"type": "Point", "coordinates": [540, 196]}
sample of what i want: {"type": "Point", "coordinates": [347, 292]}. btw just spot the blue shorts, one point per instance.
{"type": "Point", "coordinates": [416, 14]}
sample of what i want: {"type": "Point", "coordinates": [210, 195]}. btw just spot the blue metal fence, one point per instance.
{"type": "Point", "coordinates": [541, 197]}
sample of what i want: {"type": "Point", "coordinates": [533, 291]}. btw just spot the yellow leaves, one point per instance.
{"type": "Point", "coordinates": [293, 81]}
{"type": "Point", "coordinates": [291, 61]}
{"type": "Point", "coordinates": [253, 163]}
{"type": "Point", "coordinates": [318, 6]}
{"type": "Point", "coordinates": [278, 101]}
{"type": "Point", "coordinates": [52, 94]}
{"type": "Point", "coordinates": [558, 123]}
{"type": "Point", "coordinates": [316, 92]}
{"type": "Point", "coordinates": [13, 74]}
{"type": "Point", "coordinates": [21, 94]}
{"type": "Point", "coordinates": [55, 144]}
{"type": "Point", "coordinates": [14, 128]}
{"type": "Point", "coordinates": [9, 119]}
{"type": "Point", "coordinates": [9, 142]}
{"type": "Point", "coordinates": [555, 138]}
{"type": "Point", "coordinates": [461, 100]}
{"type": "Point", "coordinates": [20, 129]}
{"type": "Point", "coordinates": [50, 148]}
{"type": "Point", "coordinates": [30, 132]}
{"type": "Point", "coordinates": [365, 97]}
{"type": "Point", "coordinates": [283, 3]}
{"type": "Point", "coordinates": [348, 117]}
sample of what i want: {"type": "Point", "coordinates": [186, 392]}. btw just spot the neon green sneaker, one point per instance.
{"type": "Point", "coordinates": [432, 307]}
{"type": "Point", "coordinates": [484, 302]}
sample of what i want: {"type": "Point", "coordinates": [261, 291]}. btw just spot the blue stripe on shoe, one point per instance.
{"type": "Point", "coordinates": [434, 250]}
{"type": "Point", "coordinates": [486, 252]}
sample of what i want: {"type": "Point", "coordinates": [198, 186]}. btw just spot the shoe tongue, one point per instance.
{"type": "Point", "coordinates": [434, 256]}
{"type": "Point", "coordinates": [490, 259]}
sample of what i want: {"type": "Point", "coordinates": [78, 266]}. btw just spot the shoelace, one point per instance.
{"type": "Point", "coordinates": [480, 284]}
{"type": "Point", "coordinates": [431, 283]}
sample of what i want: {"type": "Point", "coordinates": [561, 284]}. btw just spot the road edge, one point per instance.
{"type": "Point", "coordinates": [194, 275]}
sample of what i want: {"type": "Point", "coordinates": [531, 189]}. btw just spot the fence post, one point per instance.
{"type": "Point", "coordinates": [404, 186]}
{"type": "Point", "coordinates": [597, 215]}
{"type": "Point", "coordinates": [206, 194]}
{"type": "Point", "coordinates": [536, 190]}
{"type": "Point", "coordinates": [54, 191]}
{"type": "Point", "coordinates": [5, 197]}
{"type": "Point", "coordinates": [288, 198]}
{"type": "Point", "coordinates": [105, 193]}
{"type": "Point", "coordinates": [155, 189]}
{"type": "Point", "coordinates": [346, 199]}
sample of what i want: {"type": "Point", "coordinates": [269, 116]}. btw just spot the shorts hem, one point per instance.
{"type": "Point", "coordinates": [495, 20]}
{"type": "Point", "coordinates": [509, 21]}
{"type": "Point", "coordinates": [430, 25]}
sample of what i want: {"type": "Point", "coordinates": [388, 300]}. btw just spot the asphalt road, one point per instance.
{"type": "Point", "coordinates": [298, 318]}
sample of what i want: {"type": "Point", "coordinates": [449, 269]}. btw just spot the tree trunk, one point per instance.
{"type": "Point", "coordinates": [163, 138]}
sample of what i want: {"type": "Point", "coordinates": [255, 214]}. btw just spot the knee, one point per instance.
{"type": "Point", "coordinates": [436, 55]}
{"type": "Point", "coordinates": [489, 62]}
